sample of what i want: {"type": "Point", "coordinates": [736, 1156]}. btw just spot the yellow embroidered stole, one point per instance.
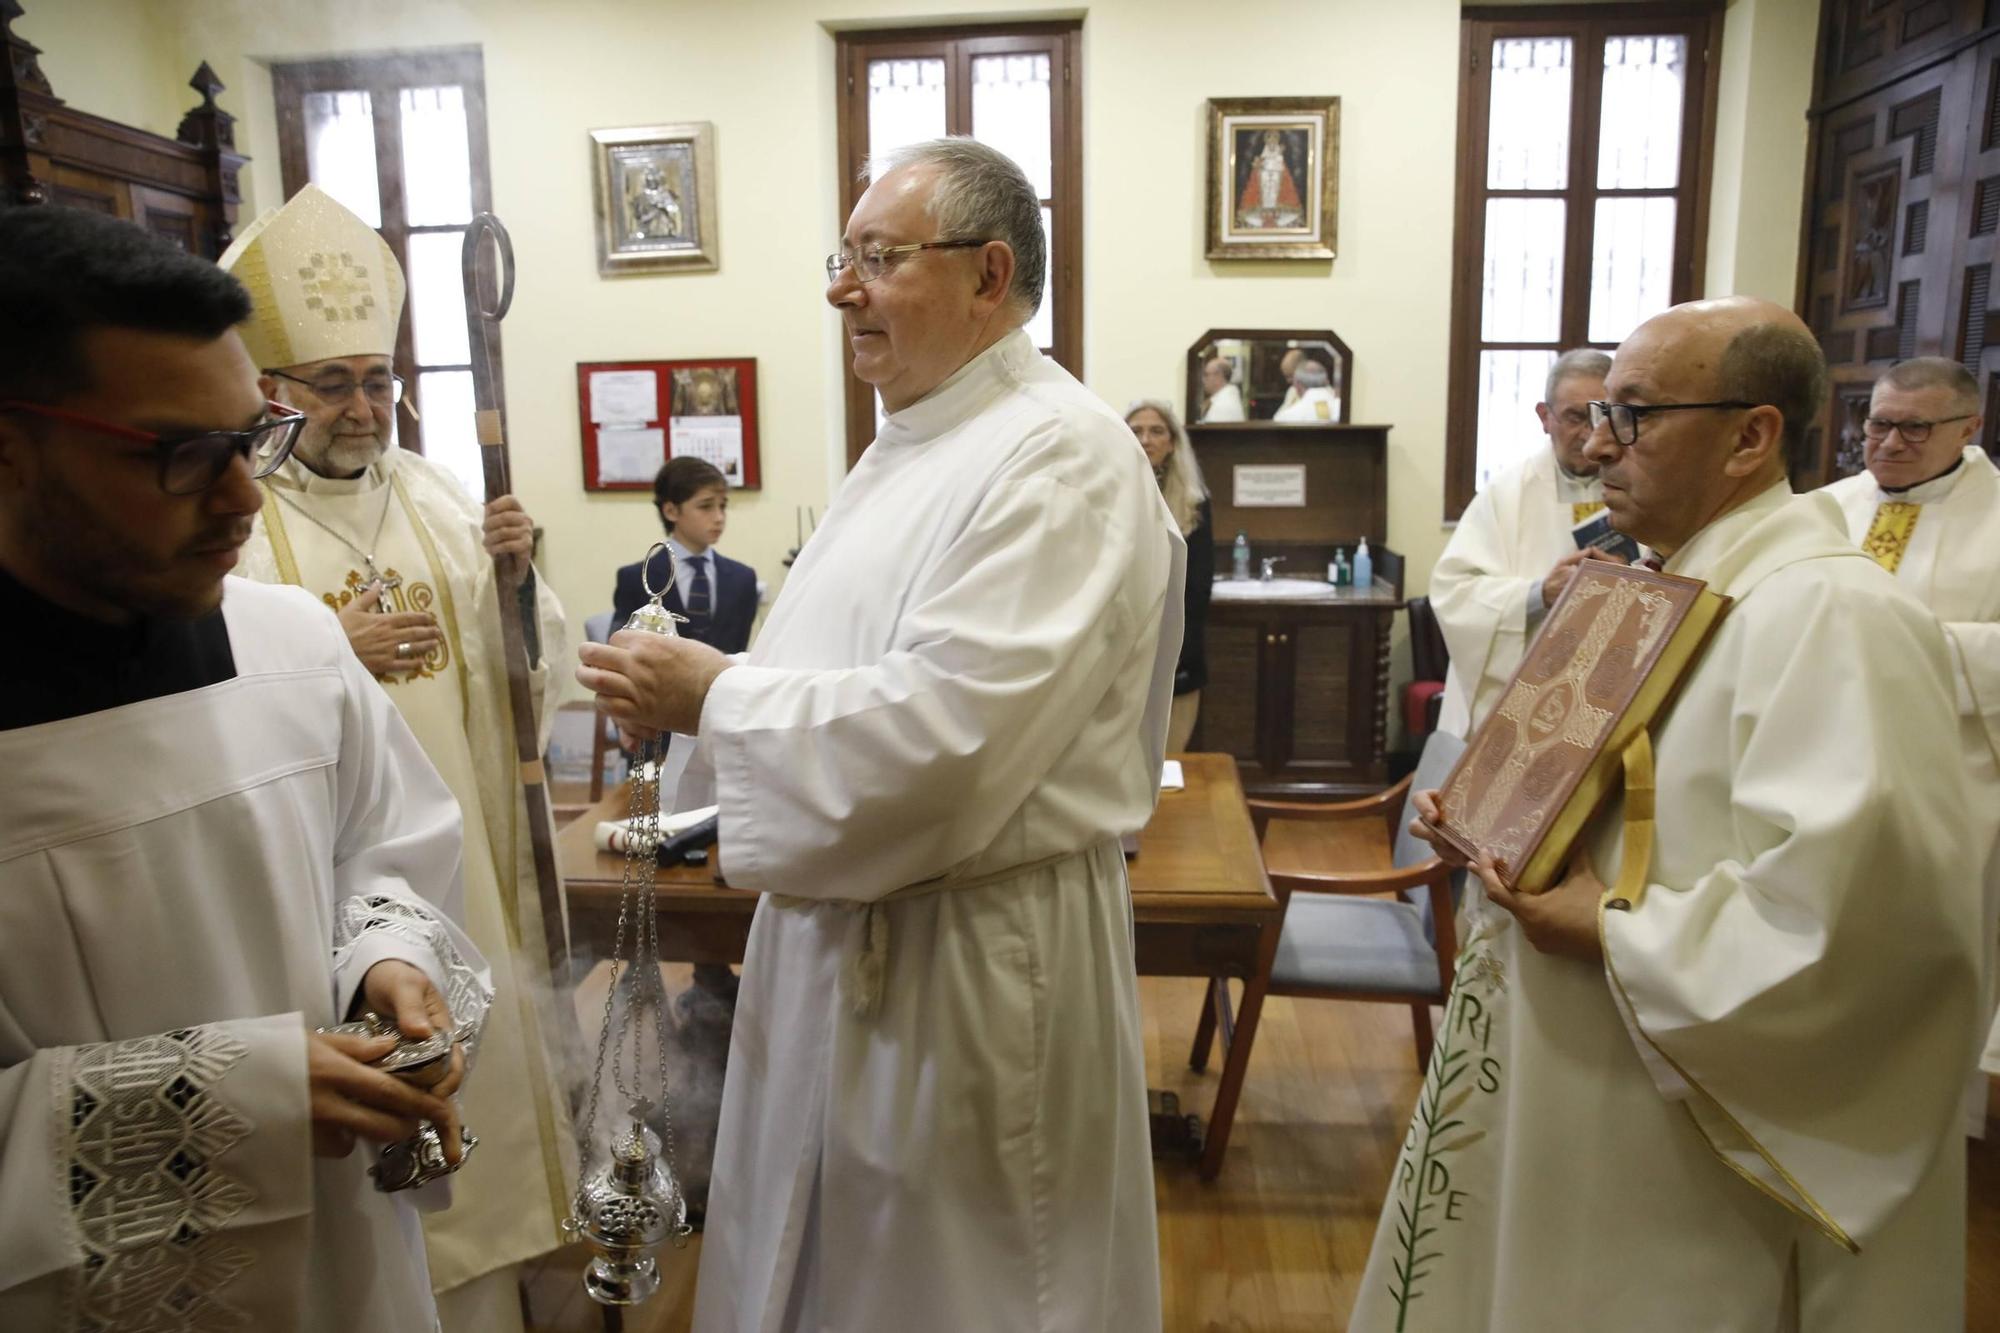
{"type": "Point", "coordinates": [1889, 535]}
{"type": "Point", "coordinates": [1583, 509]}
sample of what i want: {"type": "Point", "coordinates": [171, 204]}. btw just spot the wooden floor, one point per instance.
{"type": "Point", "coordinates": [1277, 1244]}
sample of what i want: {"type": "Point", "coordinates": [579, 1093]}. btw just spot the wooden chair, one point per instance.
{"type": "Point", "coordinates": [1377, 925]}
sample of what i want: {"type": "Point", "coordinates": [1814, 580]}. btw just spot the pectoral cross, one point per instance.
{"type": "Point", "coordinates": [387, 584]}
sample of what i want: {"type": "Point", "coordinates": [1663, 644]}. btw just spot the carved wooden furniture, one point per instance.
{"type": "Point", "coordinates": [1371, 921]}
{"type": "Point", "coordinates": [184, 188]}
{"type": "Point", "coordinates": [1902, 210]}
{"type": "Point", "coordinates": [1201, 904]}
{"type": "Point", "coordinates": [1298, 687]}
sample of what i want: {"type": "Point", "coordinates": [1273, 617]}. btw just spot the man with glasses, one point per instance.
{"type": "Point", "coordinates": [391, 541]}
{"type": "Point", "coordinates": [1927, 509]}
{"type": "Point", "coordinates": [1514, 549]}
{"type": "Point", "coordinates": [216, 836]}
{"type": "Point", "coordinates": [935, 1110]}
{"type": "Point", "coordinates": [1727, 1098]}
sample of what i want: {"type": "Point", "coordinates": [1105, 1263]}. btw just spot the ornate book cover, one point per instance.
{"type": "Point", "coordinates": [1614, 647]}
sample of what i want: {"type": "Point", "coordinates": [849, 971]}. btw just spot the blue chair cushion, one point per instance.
{"type": "Point", "coordinates": [1370, 945]}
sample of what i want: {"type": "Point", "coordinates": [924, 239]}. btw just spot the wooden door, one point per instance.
{"type": "Point", "coordinates": [1902, 207]}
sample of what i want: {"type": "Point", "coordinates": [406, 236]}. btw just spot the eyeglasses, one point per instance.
{"type": "Point", "coordinates": [1625, 417]}
{"type": "Point", "coordinates": [190, 464]}
{"type": "Point", "coordinates": [872, 261]}
{"type": "Point", "coordinates": [335, 390]}
{"type": "Point", "coordinates": [1913, 432]}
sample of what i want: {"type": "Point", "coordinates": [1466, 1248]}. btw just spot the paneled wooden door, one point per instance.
{"type": "Point", "coordinates": [1902, 208]}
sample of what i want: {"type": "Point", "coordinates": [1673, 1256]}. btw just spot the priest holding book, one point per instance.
{"type": "Point", "coordinates": [1725, 1098]}
{"type": "Point", "coordinates": [1514, 548]}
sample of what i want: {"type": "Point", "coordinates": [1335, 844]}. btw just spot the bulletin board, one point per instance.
{"type": "Point", "coordinates": [637, 414]}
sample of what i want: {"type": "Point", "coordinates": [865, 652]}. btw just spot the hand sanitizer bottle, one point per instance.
{"type": "Point", "coordinates": [1240, 560]}
{"type": "Point", "coordinates": [1364, 567]}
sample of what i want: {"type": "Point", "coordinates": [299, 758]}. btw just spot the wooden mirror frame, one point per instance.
{"type": "Point", "coordinates": [1192, 402]}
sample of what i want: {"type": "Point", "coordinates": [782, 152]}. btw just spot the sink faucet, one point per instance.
{"type": "Point", "coordinates": [1268, 562]}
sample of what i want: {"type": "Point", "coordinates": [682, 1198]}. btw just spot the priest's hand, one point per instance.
{"type": "Point", "coordinates": [510, 539]}
{"type": "Point", "coordinates": [650, 683]}
{"type": "Point", "coordinates": [1558, 577]}
{"type": "Point", "coordinates": [1430, 813]}
{"type": "Point", "coordinates": [1561, 921]}
{"type": "Point", "coordinates": [400, 992]}
{"type": "Point", "coordinates": [391, 641]}
{"type": "Point", "coordinates": [350, 1099]}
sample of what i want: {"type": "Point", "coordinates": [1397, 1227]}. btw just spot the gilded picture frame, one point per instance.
{"type": "Point", "coordinates": [1273, 177]}
{"type": "Point", "coordinates": [654, 187]}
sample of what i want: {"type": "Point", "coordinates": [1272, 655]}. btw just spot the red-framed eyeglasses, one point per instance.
{"type": "Point", "coordinates": [190, 464]}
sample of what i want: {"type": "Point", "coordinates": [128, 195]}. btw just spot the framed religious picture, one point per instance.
{"type": "Point", "coordinates": [655, 190]}
{"type": "Point", "coordinates": [1273, 177]}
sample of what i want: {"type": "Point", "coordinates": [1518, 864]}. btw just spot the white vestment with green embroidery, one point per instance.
{"type": "Point", "coordinates": [1745, 1119]}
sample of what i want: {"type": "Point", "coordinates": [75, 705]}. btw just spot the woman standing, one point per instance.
{"type": "Point", "coordinates": [1159, 433]}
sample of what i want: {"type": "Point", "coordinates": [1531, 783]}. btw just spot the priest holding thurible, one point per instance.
{"type": "Point", "coordinates": [415, 569]}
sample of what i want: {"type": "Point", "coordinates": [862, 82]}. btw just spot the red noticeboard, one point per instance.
{"type": "Point", "coordinates": [637, 414]}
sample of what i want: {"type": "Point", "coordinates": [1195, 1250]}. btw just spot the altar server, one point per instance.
{"type": "Point", "coordinates": [1728, 1100]}
{"type": "Point", "coordinates": [935, 1113]}
{"type": "Point", "coordinates": [1513, 552]}
{"type": "Point", "coordinates": [1927, 508]}
{"type": "Point", "coordinates": [391, 542]}
{"type": "Point", "coordinates": [216, 835]}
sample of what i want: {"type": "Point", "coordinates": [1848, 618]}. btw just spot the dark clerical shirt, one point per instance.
{"type": "Point", "coordinates": [61, 665]}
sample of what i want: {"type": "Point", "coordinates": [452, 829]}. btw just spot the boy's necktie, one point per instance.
{"type": "Point", "coordinates": [699, 601]}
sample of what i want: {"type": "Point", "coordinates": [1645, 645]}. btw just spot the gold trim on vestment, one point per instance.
{"type": "Point", "coordinates": [1583, 509]}
{"type": "Point", "coordinates": [1811, 1212]}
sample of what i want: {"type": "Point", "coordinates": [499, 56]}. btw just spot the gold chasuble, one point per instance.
{"type": "Point", "coordinates": [507, 1204]}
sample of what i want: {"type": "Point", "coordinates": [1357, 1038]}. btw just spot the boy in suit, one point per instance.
{"type": "Point", "coordinates": [716, 594]}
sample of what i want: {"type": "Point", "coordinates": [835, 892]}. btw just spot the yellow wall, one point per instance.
{"type": "Point", "coordinates": [112, 58]}
{"type": "Point", "coordinates": [762, 71]}
{"type": "Point", "coordinates": [1760, 147]}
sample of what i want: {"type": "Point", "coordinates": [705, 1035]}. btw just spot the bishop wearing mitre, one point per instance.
{"type": "Point", "coordinates": [393, 544]}
{"type": "Point", "coordinates": [1512, 553]}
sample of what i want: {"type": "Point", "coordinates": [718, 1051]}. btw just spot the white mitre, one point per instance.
{"type": "Point", "coordinates": [322, 284]}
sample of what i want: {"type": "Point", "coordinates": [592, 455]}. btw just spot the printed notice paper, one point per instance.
{"type": "Point", "coordinates": [624, 398]}
{"type": "Point", "coordinates": [1270, 486]}
{"type": "Point", "coordinates": [625, 455]}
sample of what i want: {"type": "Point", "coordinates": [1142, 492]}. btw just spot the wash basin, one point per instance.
{"type": "Point", "coordinates": [1272, 590]}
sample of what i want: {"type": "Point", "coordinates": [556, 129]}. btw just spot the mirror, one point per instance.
{"type": "Point", "coordinates": [1295, 377]}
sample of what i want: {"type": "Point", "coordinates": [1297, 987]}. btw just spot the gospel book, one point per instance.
{"type": "Point", "coordinates": [1614, 647]}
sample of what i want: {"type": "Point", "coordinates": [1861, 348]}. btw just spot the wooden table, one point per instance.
{"type": "Point", "coordinates": [1202, 905]}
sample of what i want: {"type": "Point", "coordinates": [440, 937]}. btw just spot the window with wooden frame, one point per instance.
{"type": "Point", "coordinates": [1018, 88]}
{"type": "Point", "coordinates": [1585, 141]}
{"type": "Point", "coordinates": [400, 138]}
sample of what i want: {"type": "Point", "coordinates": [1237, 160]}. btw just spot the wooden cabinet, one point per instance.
{"type": "Point", "coordinates": [1298, 693]}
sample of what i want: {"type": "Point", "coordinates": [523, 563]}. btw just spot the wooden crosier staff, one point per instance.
{"type": "Point", "coordinates": [520, 631]}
